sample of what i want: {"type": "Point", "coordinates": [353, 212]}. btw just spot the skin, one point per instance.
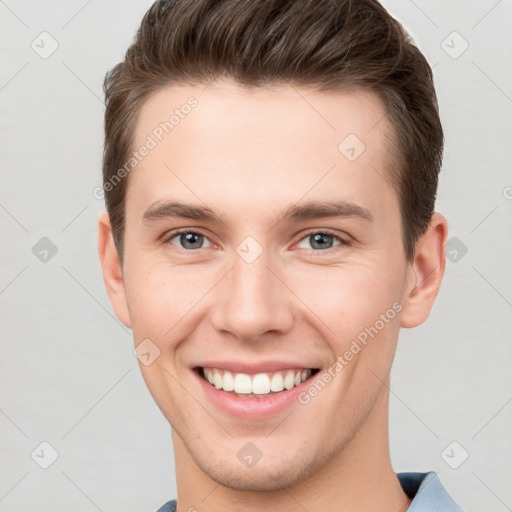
{"type": "Point", "coordinates": [248, 155]}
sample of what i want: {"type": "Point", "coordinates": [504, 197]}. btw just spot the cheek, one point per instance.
{"type": "Point", "coordinates": [357, 309]}
{"type": "Point", "coordinates": [347, 298]}
{"type": "Point", "coordinates": [163, 298]}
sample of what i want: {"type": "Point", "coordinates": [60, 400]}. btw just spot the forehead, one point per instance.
{"type": "Point", "coordinates": [270, 145]}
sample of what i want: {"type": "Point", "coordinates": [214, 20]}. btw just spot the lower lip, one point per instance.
{"type": "Point", "coordinates": [251, 407]}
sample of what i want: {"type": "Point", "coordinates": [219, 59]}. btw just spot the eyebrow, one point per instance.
{"type": "Point", "coordinates": [294, 213]}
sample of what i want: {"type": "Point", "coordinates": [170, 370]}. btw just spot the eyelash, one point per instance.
{"type": "Point", "coordinates": [342, 242]}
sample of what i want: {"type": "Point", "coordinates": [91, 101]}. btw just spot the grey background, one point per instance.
{"type": "Point", "coordinates": [68, 373]}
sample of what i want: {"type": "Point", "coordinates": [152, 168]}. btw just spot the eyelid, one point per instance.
{"type": "Point", "coordinates": [167, 237]}
{"type": "Point", "coordinates": [174, 233]}
{"type": "Point", "coordinates": [329, 232]}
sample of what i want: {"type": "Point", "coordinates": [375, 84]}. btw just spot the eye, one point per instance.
{"type": "Point", "coordinates": [188, 239]}
{"type": "Point", "coordinates": [318, 240]}
{"type": "Point", "coordinates": [321, 240]}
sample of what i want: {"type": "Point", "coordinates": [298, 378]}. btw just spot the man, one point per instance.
{"type": "Point", "coordinates": [270, 172]}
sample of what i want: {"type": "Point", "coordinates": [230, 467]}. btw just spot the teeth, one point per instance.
{"type": "Point", "coordinates": [243, 383]}
{"type": "Point", "coordinates": [289, 380]}
{"type": "Point", "coordinates": [228, 382]}
{"type": "Point", "coordinates": [277, 382]}
{"type": "Point", "coordinates": [258, 384]}
{"type": "Point", "coordinates": [217, 379]}
{"type": "Point", "coordinates": [261, 384]}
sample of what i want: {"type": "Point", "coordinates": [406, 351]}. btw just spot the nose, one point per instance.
{"type": "Point", "coordinates": [253, 301]}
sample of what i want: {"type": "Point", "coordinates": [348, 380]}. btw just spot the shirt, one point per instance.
{"type": "Point", "coordinates": [425, 490]}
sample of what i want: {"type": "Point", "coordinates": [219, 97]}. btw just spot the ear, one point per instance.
{"type": "Point", "coordinates": [425, 273]}
{"type": "Point", "coordinates": [112, 270]}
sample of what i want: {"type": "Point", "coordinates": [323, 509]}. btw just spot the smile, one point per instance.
{"type": "Point", "coordinates": [256, 385]}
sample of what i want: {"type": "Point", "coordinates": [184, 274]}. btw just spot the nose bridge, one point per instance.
{"type": "Point", "coordinates": [252, 299]}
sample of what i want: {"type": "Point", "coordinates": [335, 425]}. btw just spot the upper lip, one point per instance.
{"type": "Point", "coordinates": [250, 368]}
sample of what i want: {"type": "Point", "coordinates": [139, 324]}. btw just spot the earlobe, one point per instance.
{"type": "Point", "coordinates": [425, 273]}
{"type": "Point", "coordinates": [112, 270]}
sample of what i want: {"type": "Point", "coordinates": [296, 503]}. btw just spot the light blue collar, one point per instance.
{"type": "Point", "coordinates": [427, 493]}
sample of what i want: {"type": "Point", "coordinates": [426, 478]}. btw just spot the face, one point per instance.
{"type": "Point", "coordinates": [263, 250]}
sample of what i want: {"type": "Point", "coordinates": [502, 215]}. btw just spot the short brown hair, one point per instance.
{"type": "Point", "coordinates": [325, 44]}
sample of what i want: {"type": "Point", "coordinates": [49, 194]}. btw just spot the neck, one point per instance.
{"type": "Point", "coordinates": [359, 478]}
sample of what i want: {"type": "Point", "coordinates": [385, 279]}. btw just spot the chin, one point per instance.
{"type": "Point", "coordinates": [283, 472]}
{"type": "Point", "coordinates": [257, 480]}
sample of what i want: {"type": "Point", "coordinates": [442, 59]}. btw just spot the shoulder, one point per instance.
{"type": "Point", "coordinates": [427, 493]}
{"type": "Point", "coordinates": [170, 506]}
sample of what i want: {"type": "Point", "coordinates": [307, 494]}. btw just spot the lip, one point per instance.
{"type": "Point", "coordinates": [250, 407]}
{"type": "Point", "coordinates": [253, 368]}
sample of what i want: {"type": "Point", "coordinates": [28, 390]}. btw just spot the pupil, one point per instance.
{"type": "Point", "coordinates": [320, 238]}
{"type": "Point", "coordinates": [194, 239]}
